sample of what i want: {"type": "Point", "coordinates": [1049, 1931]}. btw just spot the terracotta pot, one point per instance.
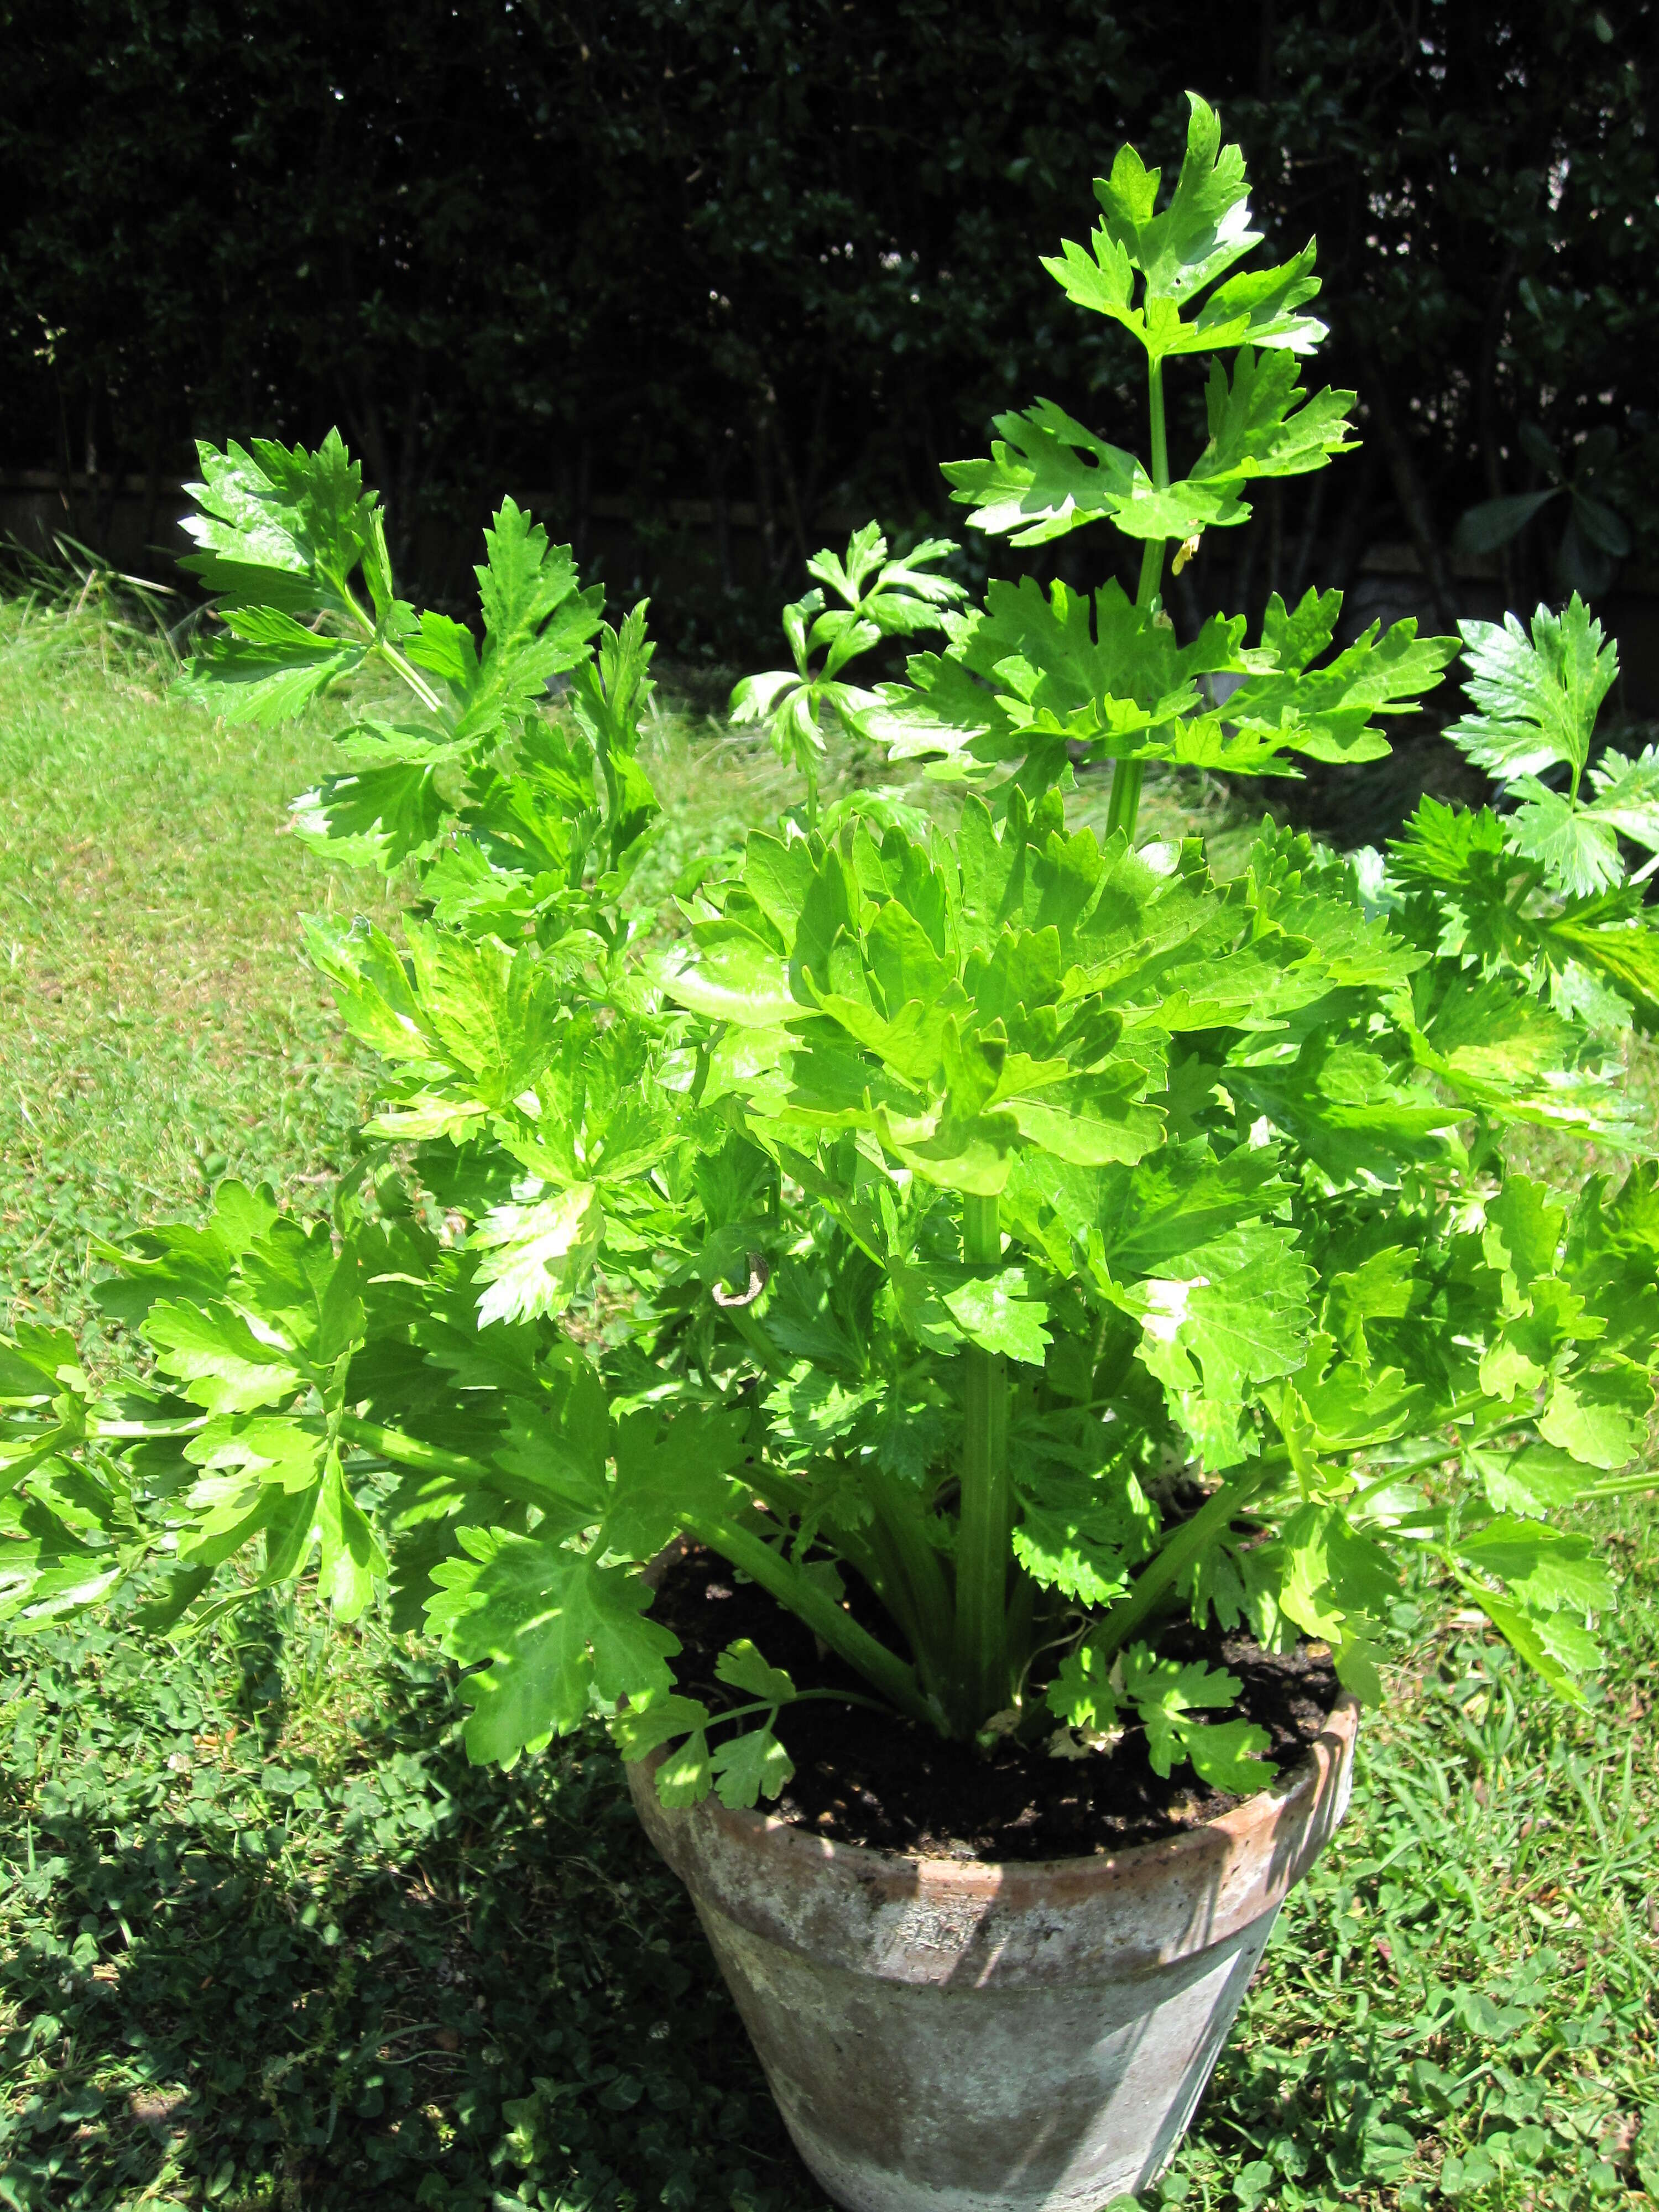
{"type": "Point", "coordinates": [967, 2036]}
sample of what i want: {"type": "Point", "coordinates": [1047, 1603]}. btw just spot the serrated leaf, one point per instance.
{"type": "Point", "coordinates": [350, 1559]}
{"type": "Point", "coordinates": [556, 1631]}
{"type": "Point", "coordinates": [749, 1767]}
{"type": "Point", "coordinates": [1535, 697]}
{"type": "Point", "coordinates": [1577, 852]}
{"type": "Point", "coordinates": [280, 527]}
{"type": "Point", "coordinates": [1262, 423]}
{"type": "Point", "coordinates": [638, 1730]}
{"type": "Point", "coordinates": [1204, 229]}
{"type": "Point", "coordinates": [1047, 475]}
{"type": "Point", "coordinates": [1334, 1571]}
{"type": "Point", "coordinates": [735, 978]}
{"type": "Point", "coordinates": [536, 623]}
{"type": "Point", "coordinates": [1546, 1569]}
{"type": "Point", "coordinates": [997, 1314]}
{"type": "Point", "coordinates": [215, 1356]}
{"type": "Point", "coordinates": [686, 1776]}
{"type": "Point", "coordinates": [1536, 1481]}
{"type": "Point", "coordinates": [379, 816]}
{"type": "Point", "coordinates": [1627, 794]}
{"type": "Point", "coordinates": [1081, 1695]}
{"type": "Point", "coordinates": [668, 1474]}
{"type": "Point", "coordinates": [1225, 1753]}
{"type": "Point", "coordinates": [537, 1254]}
{"type": "Point", "coordinates": [1162, 1691]}
{"type": "Point", "coordinates": [1522, 1232]}
{"type": "Point", "coordinates": [1593, 1430]}
{"type": "Point", "coordinates": [742, 1666]}
{"type": "Point", "coordinates": [1538, 1639]}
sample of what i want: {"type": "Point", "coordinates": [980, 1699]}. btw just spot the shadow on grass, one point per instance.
{"type": "Point", "coordinates": [243, 1971]}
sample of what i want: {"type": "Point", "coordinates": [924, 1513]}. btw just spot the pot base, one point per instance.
{"type": "Point", "coordinates": [1100, 2098]}
{"type": "Point", "coordinates": [945, 2035]}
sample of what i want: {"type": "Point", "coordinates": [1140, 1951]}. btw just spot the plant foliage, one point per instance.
{"type": "Point", "coordinates": [905, 1214]}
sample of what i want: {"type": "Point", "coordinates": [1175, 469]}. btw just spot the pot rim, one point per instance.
{"type": "Point", "coordinates": [1228, 1832]}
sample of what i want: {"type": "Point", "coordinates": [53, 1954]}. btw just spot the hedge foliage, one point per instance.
{"type": "Point", "coordinates": [782, 252]}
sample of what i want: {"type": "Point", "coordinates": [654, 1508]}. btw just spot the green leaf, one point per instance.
{"type": "Point", "coordinates": [1579, 852]}
{"type": "Point", "coordinates": [351, 1559]}
{"type": "Point", "coordinates": [742, 1666]}
{"type": "Point", "coordinates": [536, 623]}
{"type": "Point", "coordinates": [640, 1729]}
{"type": "Point", "coordinates": [1239, 1308]}
{"type": "Point", "coordinates": [1205, 227]}
{"type": "Point", "coordinates": [1163, 1692]}
{"type": "Point", "coordinates": [1197, 237]}
{"type": "Point", "coordinates": [1262, 423]}
{"type": "Point", "coordinates": [1328, 713]}
{"type": "Point", "coordinates": [538, 1254]}
{"type": "Point", "coordinates": [1627, 794]}
{"type": "Point", "coordinates": [1522, 1232]}
{"type": "Point", "coordinates": [996, 1313]}
{"type": "Point", "coordinates": [378, 817]}
{"type": "Point", "coordinates": [218, 1358]}
{"type": "Point", "coordinates": [1078, 1533]}
{"type": "Point", "coordinates": [749, 1767]}
{"type": "Point", "coordinates": [1224, 1754]}
{"type": "Point", "coordinates": [36, 1364]}
{"type": "Point", "coordinates": [668, 1474]}
{"type": "Point", "coordinates": [1534, 1480]}
{"type": "Point", "coordinates": [1592, 1426]}
{"type": "Point", "coordinates": [280, 527]}
{"type": "Point", "coordinates": [1536, 698]}
{"type": "Point", "coordinates": [1464, 849]}
{"type": "Point", "coordinates": [733, 977]}
{"type": "Point", "coordinates": [1554, 1649]}
{"type": "Point", "coordinates": [556, 1630]}
{"type": "Point", "coordinates": [686, 1776]}
{"type": "Point", "coordinates": [1047, 475]}
{"type": "Point", "coordinates": [1546, 1569]}
{"type": "Point", "coordinates": [1335, 1573]}
{"type": "Point", "coordinates": [268, 670]}
{"type": "Point", "coordinates": [898, 597]}
{"type": "Point", "coordinates": [1081, 1695]}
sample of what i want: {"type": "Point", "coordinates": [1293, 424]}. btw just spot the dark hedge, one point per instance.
{"type": "Point", "coordinates": [782, 258]}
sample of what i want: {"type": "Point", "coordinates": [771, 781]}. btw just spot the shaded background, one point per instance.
{"type": "Point", "coordinates": [709, 280]}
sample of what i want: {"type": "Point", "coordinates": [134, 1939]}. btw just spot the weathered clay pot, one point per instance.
{"type": "Point", "coordinates": [965, 2037]}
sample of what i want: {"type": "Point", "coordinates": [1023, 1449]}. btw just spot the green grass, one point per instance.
{"type": "Point", "coordinates": [158, 1026]}
{"type": "Point", "coordinates": [267, 1941]}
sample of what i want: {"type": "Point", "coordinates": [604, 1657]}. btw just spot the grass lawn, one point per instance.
{"type": "Point", "coordinates": [268, 1941]}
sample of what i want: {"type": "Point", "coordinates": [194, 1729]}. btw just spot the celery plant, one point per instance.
{"type": "Point", "coordinates": [1030, 1237]}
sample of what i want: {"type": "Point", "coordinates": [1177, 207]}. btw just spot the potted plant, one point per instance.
{"type": "Point", "coordinates": [1054, 1285]}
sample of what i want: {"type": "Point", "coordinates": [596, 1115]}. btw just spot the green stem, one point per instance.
{"type": "Point", "coordinates": [1156, 1581]}
{"type": "Point", "coordinates": [1123, 807]}
{"type": "Point", "coordinates": [1623, 1485]}
{"type": "Point", "coordinates": [409, 1451]}
{"type": "Point", "coordinates": [984, 1682]}
{"type": "Point", "coordinates": [917, 1568]}
{"type": "Point", "coordinates": [401, 1451]}
{"type": "Point", "coordinates": [878, 1560]}
{"type": "Point", "coordinates": [811, 1603]}
{"type": "Point", "coordinates": [417, 683]}
{"type": "Point", "coordinates": [1160, 442]}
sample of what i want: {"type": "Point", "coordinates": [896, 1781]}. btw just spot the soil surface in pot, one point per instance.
{"type": "Point", "coordinates": [871, 1778]}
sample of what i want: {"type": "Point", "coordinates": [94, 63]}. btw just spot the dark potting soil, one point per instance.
{"type": "Point", "coordinates": [875, 1779]}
